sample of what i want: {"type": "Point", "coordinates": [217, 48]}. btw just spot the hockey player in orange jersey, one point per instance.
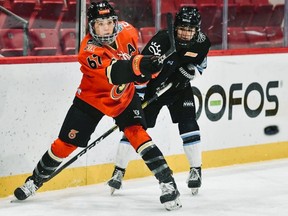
{"type": "Point", "coordinates": [110, 64]}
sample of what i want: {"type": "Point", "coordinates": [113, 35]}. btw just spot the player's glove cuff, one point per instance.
{"type": "Point", "coordinates": [145, 65]}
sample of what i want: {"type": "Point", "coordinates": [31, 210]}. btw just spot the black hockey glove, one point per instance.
{"type": "Point", "coordinates": [145, 66]}
{"type": "Point", "coordinates": [182, 76]}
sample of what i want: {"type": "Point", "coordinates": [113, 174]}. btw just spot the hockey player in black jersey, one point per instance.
{"type": "Point", "coordinates": [192, 47]}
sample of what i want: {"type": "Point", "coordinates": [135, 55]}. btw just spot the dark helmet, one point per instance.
{"type": "Point", "coordinates": [101, 10]}
{"type": "Point", "coordinates": [187, 17]}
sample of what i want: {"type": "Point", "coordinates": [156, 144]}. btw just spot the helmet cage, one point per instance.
{"type": "Point", "coordinates": [102, 10]}
{"type": "Point", "coordinates": [187, 17]}
{"type": "Point", "coordinates": [104, 39]}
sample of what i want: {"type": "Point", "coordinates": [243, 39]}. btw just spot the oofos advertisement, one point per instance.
{"type": "Point", "coordinates": [242, 100]}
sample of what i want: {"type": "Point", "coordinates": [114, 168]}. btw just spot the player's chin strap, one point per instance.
{"type": "Point", "coordinates": [107, 133]}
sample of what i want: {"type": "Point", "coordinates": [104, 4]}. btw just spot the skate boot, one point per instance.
{"type": "Point", "coordinates": [194, 179]}
{"type": "Point", "coordinates": [28, 189]}
{"type": "Point", "coordinates": [116, 181]}
{"type": "Point", "coordinates": [170, 195]}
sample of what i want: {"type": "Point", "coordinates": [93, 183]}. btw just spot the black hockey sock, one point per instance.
{"type": "Point", "coordinates": [156, 162]}
{"type": "Point", "coordinates": [45, 167]}
{"type": "Point", "coordinates": [118, 168]}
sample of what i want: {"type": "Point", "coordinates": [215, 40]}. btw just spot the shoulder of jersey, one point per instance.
{"type": "Point", "coordinates": [122, 25]}
{"type": "Point", "coordinates": [90, 46]}
{"type": "Point", "coordinates": [202, 38]}
{"type": "Point", "coordinates": [163, 33]}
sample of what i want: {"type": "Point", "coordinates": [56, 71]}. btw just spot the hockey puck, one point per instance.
{"type": "Point", "coordinates": [271, 130]}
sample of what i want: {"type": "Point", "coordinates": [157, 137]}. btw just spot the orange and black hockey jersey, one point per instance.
{"type": "Point", "coordinates": [94, 88]}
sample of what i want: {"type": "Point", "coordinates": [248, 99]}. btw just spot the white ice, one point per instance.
{"type": "Point", "coordinates": [241, 190]}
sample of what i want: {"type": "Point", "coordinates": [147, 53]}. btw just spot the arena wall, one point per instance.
{"type": "Point", "coordinates": [237, 97]}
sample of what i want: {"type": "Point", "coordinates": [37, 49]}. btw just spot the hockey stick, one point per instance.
{"type": "Point", "coordinates": [172, 48]}
{"type": "Point", "coordinates": [107, 133]}
{"type": "Point", "coordinates": [161, 59]}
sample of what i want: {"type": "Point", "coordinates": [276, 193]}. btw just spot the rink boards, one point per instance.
{"type": "Point", "coordinates": [236, 98]}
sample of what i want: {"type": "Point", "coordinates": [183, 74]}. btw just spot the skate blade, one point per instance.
{"type": "Point", "coordinates": [194, 191]}
{"type": "Point", "coordinates": [173, 205]}
{"type": "Point", "coordinates": [112, 190]}
{"type": "Point", "coordinates": [15, 200]}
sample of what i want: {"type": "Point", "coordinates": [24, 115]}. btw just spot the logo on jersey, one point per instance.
{"type": "Point", "coordinates": [170, 62]}
{"type": "Point", "coordinates": [137, 114]}
{"type": "Point", "coordinates": [188, 104]}
{"type": "Point", "coordinates": [201, 37]}
{"type": "Point", "coordinates": [124, 56]}
{"type": "Point", "coordinates": [191, 54]}
{"type": "Point", "coordinates": [155, 49]}
{"type": "Point", "coordinates": [90, 46]}
{"type": "Point", "coordinates": [72, 134]}
{"type": "Point", "coordinates": [118, 90]}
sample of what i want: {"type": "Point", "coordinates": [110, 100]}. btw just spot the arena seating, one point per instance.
{"type": "Point", "coordinates": [24, 9]}
{"type": "Point", "coordinates": [146, 33]}
{"type": "Point", "coordinates": [237, 37]}
{"type": "Point", "coordinates": [67, 38]}
{"type": "Point", "coordinates": [44, 42]}
{"type": "Point", "coordinates": [256, 36]}
{"type": "Point", "coordinates": [52, 23]}
{"type": "Point", "coordinates": [261, 15]}
{"type": "Point", "coordinates": [11, 42]}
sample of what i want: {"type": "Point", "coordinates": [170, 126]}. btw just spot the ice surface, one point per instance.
{"type": "Point", "coordinates": [241, 190]}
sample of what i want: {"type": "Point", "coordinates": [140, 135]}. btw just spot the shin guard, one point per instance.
{"type": "Point", "coordinates": [124, 153]}
{"type": "Point", "coordinates": [192, 148]}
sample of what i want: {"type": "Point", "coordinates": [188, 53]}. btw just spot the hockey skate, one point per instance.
{"type": "Point", "coordinates": [194, 180]}
{"type": "Point", "coordinates": [116, 181]}
{"type": "Point", "coordinates": [28, 189]}
{"type": "Point", "coordinates": [170, 195]}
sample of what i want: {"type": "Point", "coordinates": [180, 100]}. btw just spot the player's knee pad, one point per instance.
{"type": "Point", "coordinates": [136, 135]}
{"type": "Point", "coordinates": [62, 149]}
{"type": "Point", "coordinates": [188, 125]}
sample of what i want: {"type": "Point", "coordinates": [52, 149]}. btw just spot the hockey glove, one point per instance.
{"type": "Point", "coordinates": [145, 66]}
{"type": "Point", "coordinates": [182, 76]}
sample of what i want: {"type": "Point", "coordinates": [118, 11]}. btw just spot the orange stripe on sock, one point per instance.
{"type": "Point", "coordinates": [136, 135]}
{"type": "Point", "coordinates": [62, 149]}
